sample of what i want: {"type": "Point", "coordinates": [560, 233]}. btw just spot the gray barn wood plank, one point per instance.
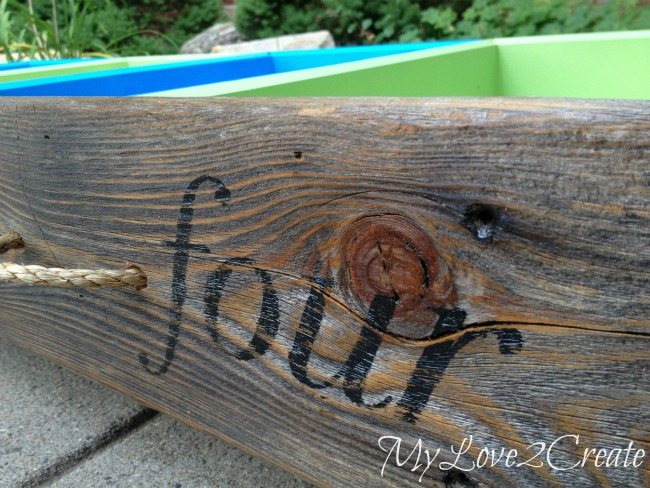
{"type": "Point", "coordinates": [325, 272]}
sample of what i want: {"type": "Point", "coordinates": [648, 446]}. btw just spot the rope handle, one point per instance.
{"type": "Point", "coordinates": [130, 277]}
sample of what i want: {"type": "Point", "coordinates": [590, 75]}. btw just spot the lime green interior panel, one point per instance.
{"type": "Point", "coordinates": [61, 69]}
{"type": "Point", "coordinates": [96, 65]}
{"type": "Point", "coordinates": [594, 66]}
{"type": "Point", "coordinates": [601, 65]}
{"type": "Point", "coordinates": [597, 65]}
{"type": "Point", "coordinates": [467, 69]}
{"type": "Point", "coordinates": [470, 72]}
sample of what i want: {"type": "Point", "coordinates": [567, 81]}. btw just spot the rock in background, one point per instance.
{"type": "Point", "coordinates": [224, 39]}
{"type": "Point", "coordinates": [224, 33]}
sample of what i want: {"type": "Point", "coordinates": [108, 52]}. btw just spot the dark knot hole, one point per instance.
{"type": "Point", "coordinates": [482, 220]}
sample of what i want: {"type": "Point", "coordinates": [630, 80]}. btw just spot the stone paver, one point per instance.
{"type": "Point", "coordinates": [49, 416]}
{"type": "Point", "coordinates": [165, 453]}
{"type": "Point", "coordinates": [58, 429]}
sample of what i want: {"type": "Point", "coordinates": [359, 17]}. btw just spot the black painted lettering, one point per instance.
{"type": "Point", "coordinates": [356, 368]}
{"type": "Point", "coordinates": [183, 247]}
{"type": "Point", "coordinates": [310, 323]}
{"type": "Point", "coordinates": [269, 319]}
{"type": "Point", "coordinates": [435, 359]}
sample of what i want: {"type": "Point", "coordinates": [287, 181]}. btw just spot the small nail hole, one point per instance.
{"type": "Point", "coordinates": [482, 220]}
{"type": "Point", "coordinates": [297, 154]}
{"type": "Point", "coordinates": [46, 136]}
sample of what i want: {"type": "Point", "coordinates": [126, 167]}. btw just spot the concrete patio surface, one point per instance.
{"type": "Point", "coordinates": [61, 430]}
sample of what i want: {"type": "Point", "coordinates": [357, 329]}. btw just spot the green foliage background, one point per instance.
{"type": "Point", "coordinates": [375, 21]}
{"type": "Point", "coordinates": [68, 28]}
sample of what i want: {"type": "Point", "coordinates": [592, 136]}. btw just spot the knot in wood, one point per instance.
{"type": "Point", "coordinates": [391, 256]}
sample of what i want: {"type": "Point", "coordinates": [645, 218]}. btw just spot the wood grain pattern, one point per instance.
{"type": "Point", "coordinates": [326, 272]}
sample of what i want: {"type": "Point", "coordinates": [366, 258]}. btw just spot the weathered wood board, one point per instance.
{"type": "Point", "coordinates": [326, 272]}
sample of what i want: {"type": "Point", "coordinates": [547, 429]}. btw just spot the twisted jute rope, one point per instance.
{"type": "Point", "coordinates": [129, 277]}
